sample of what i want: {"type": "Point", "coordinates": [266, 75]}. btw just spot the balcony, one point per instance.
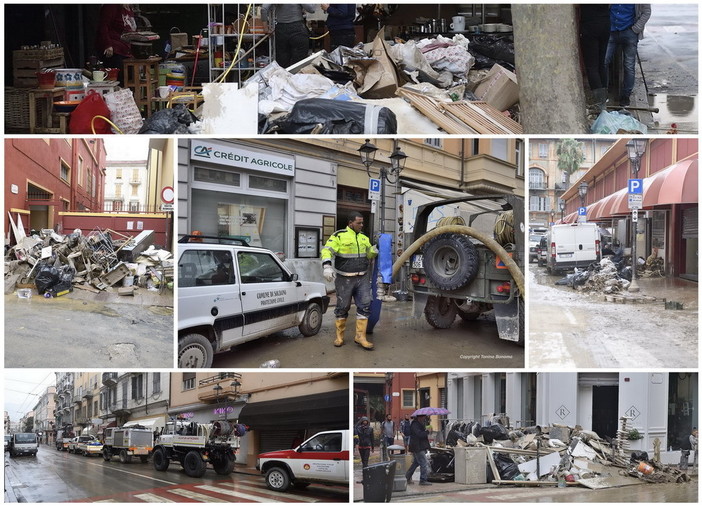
{"type": "Point", "coordinates": [109, 379]}
{"type": "Point", "coordinates": [88, 395]}
{"type": "Point", "coordinates": [120, 409]}
{"type": "Point", "coordinates": [208, 391]}
{"type": "Point", "coordinates": [538, 185]}
{"type": "Point", "coordinates": [77, 399]}
{"type": "Point", "coordinates": [82, 420]}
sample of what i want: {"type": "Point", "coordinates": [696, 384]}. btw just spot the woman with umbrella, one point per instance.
{"type": "Point", "coordinates": [419, 444]}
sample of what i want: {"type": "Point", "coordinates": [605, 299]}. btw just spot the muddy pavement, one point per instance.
{"type": "Point", "coordinates": [570, 329]}
{"type": "Point", "coordinates": [401, 341]}
{"type": "Point", "coordinates": [82, 331]}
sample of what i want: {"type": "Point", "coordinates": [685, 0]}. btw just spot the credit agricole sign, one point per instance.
{"type": "Point", "coordinates": [225, 154]}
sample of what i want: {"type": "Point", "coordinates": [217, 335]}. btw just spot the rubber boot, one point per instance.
{"type": "Point", "coordinates": [600, 99]}
{"type": "Point", "coordinates": [340, 328]}
{"type": "Point", "coordinates": [361, 325]}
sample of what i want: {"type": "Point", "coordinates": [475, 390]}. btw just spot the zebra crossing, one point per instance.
{"type": "Point", "coordinates": [234, 490]}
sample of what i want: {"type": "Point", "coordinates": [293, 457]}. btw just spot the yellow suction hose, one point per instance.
{"type": "Point", "coordinates": [468, 231]}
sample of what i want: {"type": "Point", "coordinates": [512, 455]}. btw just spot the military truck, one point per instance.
{"type": "Point", "coordinates": [127, 443]}
{"type": "Point", "coordinates": [194, 445]}
{"type": "Point", "coordinates": [456, 273]}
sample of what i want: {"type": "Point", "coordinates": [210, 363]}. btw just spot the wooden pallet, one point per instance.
{"type": "Point", "coordinates": [482, 117]}
{"type": "Point", "coordinates": [431, 109]}
{"type": "Point", "coordinates": [24, 72]}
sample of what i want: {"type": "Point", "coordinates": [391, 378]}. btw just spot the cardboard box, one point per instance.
{"type": "Point", "coordinates": [377, 77]}
{"type": "Point", "coordinates": [499, 88]}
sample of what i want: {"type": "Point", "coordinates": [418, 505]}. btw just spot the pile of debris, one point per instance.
{"type": "Point", "coordinates": [55, 264]}
{"type": "Point", "coordinates": [603, 277]}
{"type": "Point", "coordinates": [561, 455]}
{"type": "Point", "coordinates": [446, 85]}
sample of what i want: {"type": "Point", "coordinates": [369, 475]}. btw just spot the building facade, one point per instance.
{"type": "Point", "coordinates": [131, 398]}
{"type": "Point", "coordinates": [44, 177]}
{"type": "Point", "coordinates": [126, 185]}
{"type": "Point", "coordinates": [64, 399]}
{"type": "Point", "coordinates": [44, 418]}
{"type": "Point", "coordinates": [667, 222]}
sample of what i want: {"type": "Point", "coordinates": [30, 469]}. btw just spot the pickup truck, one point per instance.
{"type": "Point", "coordinates": [323, 459]}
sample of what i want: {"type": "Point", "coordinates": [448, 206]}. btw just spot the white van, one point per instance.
{"type": "Point", "coordinates": [24, 443]}
{"type": "Point", "coordinates": [572, 246]}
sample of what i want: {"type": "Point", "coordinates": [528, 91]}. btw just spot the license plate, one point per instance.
{"type": "Point", "coordinates": [565, 256]}
{"type": "Point", "coordinates": [418, 262]}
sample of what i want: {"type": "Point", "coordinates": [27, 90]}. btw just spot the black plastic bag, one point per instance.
{"type": "Point", "coordinates": [324, 116]}
{"type": "Point", "coordinates": [169, 121]}
{"type": "Point", "coordinates": [47, 277]}
{"type": "Point", "coordinates": [507, 468]}
{"type": "Point", "coordinates": [494, 432]}
{"type": "Point", "coordinates": [639, 456]}
{"type": "Point", "coordinates": [497, 47]}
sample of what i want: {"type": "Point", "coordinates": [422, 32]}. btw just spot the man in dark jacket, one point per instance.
{"type": "Point", "coordinates": [340, 24]}
{"type": "Point", "coordinates": [419, 444]}
{"type": "Point", "coordinates": [363, 438]}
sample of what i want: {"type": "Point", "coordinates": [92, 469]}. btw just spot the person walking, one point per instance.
{"type": "Point", "coordinates": [363, 438]}
{"type": "Point", "coordinates": [594, 38]}
{"type": "Point", "coordinates": [405, 425]}
{"type": "Point", "coordinates": [419, 444]}
{"type": "Point", "coordinates": [352, 252]}
{"type": "Point", "coordinates": [693, 447]}
{"type": "Point", "coordinates": [340, 24]}
{"type": "Point", "coordinates": [387, 429]}
{"type": "Point", "coordinates": [627, 22]}
{"type": "Point", "coordinates": [292, 38]}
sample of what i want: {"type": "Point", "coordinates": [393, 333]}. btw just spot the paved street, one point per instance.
{"type": "Point", "coordinates": [55, 476]}
{"type": "Point", "coordinates": [401, 341]}
{"type": "Point", "coordinates": [570, 329]}
{"type": "Point", "coordinates": [85, 330]}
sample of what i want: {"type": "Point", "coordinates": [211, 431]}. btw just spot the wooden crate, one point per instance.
{"type": "Point", "coordinates": [24, 71]}
{"type": "Point", "coordinates": [37, 54]}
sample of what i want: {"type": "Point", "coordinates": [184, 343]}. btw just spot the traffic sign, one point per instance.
{"type": "Point", "coordinates": [636, 186]}
{"type": "Point", "coordinates": [634, 215]}
{"type": "Point", "coordinates": [635, 201]}
{"type": "Point", "coordinates": [582, 211]}
{"type": "Point", "coordinates": [167, 195]}
{"type": "Point", "coordinates": [167, 207]}
{"type": "Point", "coordinates": [374, 189]}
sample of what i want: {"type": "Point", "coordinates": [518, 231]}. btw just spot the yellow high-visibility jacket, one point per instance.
{"type": "Point", "coordinates": [351, 252]}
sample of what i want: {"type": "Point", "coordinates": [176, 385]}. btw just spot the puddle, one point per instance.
{"type": "Point", "coordinates": [678, 109]}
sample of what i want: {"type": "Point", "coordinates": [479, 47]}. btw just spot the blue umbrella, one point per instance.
{"type": "Point", "coordinates": [430, 411]}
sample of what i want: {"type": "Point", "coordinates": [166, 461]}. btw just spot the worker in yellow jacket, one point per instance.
{"type": "Point", "coordinates": [352, 252]}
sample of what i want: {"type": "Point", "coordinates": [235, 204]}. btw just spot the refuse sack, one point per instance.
{"type": "Point", "coordinates": [496, 47]}
{"type": "Point", "coordinates": [174, 120]}
{"type": "Point", "coordinates": [66, 274]}
{"type": "Point", "coordinates": [507, 468]}
{"type": "Point", "coordinates": [378, 481]}
{"type": "Point", "coordinates": [337, 117]}
{"type": "Point", "coordinates": [47, 277]}
{"type": "Point", "coordinates": [639, 456]}
{"type": "Point", "coordinates": [494, 432]}
{"type": "Point", "coordinates": [617, 123]}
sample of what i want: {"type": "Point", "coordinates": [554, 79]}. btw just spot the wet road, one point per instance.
{"type": "Point", "coordinates": [401, 341]}
{"type": "Point", "coordinates": [669, 56]}
{"type": "Point", "coordinates": [54, 476]}
{"type": "Point", "coordinates": [75, 333]}
{"type": "Point", "coordinates": [570, 329]}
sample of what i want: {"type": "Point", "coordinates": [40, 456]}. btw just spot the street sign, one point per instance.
{"type": "Point", "coordinates": [582, 211]}
{"type": "Point", "coordinates": [387, 397]}
{"type": "Point", "coordinates": [636, 186]}
{"type": "Point", "coordinates": [167, 195]}
{"type": "Point", "coordinates": [167, 207]}
{"type": "Point", "coordinates": [634, 215]}
{"type": "Point", "coordinates": [635, 201]}
{"type": "Point", "coordinates": [374, 189]}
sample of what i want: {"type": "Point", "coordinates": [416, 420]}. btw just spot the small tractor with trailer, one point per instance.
{"type": "Point", "coordinates": [193, 445]}
{"type": "Point", "coordinates": [64, 437]}
{"type": "Point", "coordinates": [127, 443]}
{"type": "Point", "coordinates": [470, 260]}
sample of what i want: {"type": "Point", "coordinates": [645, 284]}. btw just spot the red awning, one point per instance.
{"type": "Point", "coordinates": [572, 218]}
{"type": "Point", "coordinates": [680, 184]}
{"type": "Point", "coordinates": [593, 210]}
{"type": "Point", "coordinates": [609, 203]}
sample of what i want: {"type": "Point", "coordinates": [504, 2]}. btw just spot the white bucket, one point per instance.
{"type": "Point", "coordinates": [71, 79]}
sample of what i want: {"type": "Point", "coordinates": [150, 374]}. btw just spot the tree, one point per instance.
{"type": "Point", "coordinates": [570, 155]}
{"type": "Point", "coordinates": [29, 425]}
{"type": "Point", "coordinates": [546, 54]}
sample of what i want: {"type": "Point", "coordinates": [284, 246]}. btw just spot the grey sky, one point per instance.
{"type": "Point", "coordinates": [22, 389]}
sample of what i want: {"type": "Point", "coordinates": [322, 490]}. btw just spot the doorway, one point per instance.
{"type": "Point", "coordinates": [605, 403]}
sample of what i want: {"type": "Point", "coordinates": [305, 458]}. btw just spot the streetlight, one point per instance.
{"type": "Point", "coordinates": [635, 148]}
{"type": "Point", "coordinates": [561, 206]}
{"type": "Point", "coordinates": [582, 192]}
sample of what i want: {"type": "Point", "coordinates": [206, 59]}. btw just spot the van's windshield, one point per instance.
{"type": "Point", "coordinates": [25, 438]}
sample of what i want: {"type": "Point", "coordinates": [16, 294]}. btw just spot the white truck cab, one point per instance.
{"type": "Point", "coordinates": [324, 458]}
{"type": "Point", "coordinates": [24, 443]}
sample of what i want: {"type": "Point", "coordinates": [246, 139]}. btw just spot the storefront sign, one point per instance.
{"type": "Point", "coordinates": [223, 410]}
{"type": "Point", "coordinates": [236, 156]}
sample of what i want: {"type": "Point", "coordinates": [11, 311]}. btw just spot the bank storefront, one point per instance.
{"type": "Point", "coordinates": [269, 198]}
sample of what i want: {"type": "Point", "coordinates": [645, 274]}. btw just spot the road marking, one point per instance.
{"type": "Point", "coordinates": [150, 497]}
{"type": "Point", "coordinates": [236, 494]}
{"type": "Point", "coordinates": [274, 494]}
{"type": "Point", "coordinates": [117, 469]}
{"type": "Point", "coordinates": [194, 495]}
{"type": "Point", "coordinates": [571, 318]}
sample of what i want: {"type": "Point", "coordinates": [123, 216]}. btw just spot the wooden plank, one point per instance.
{"type": "Point", "coordinates": [429, 107]}
{"type": "Point", "coordinates": [535, 483]}
{"type": "Point", "coordinates": [483, 117]}
{"type": "Point", "coordinates": [527, 452]}
{"type": "Point", "coordinates": [493, 467]}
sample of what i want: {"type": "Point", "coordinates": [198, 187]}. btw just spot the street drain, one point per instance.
{"type": "Point", "coordinates": [673, 305]}
{"type": "Point", "coordinates": [625, 298]}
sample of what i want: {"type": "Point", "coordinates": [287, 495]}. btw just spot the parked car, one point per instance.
{"type": "Point", "coordinates": [542, 251]}
{"type": "Point", "coordinates": [90, 447]}
{"type": "Point", "coordinates": [8, 439]}
{"type": "Point", "coordinates": [230, 293]}
{"type": "Point", "coordinates": [534, 240]}
{"type": "Point", "coordinates": [323, 459]}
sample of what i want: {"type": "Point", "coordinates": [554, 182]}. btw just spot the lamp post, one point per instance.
{"type": "Point", "coordinates": [561, 206]}
{"type": "Point", "coordinates": [635, 148]}
{"type": "Point", "coordinates": [582, 192]}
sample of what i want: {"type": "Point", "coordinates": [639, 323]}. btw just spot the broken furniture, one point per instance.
{"type": "Point", "coordinates": [43, 122]}
{"type": "Point", "coordinates": [142, 77]}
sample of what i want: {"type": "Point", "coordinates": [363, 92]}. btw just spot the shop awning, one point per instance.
{"type": "Point", "coordinates": [570, 219]}
{"type": "Point", "coordinates": [155, 422]}
{"type": "Point", "coordinates": [322, 409]}
{"type": "Point", "coordinates": [593, 210]}
{"type": "Point", "coordinates": [676, 184]}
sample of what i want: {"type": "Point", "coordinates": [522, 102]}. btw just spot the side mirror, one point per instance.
{"type": "Point", "coordinates": [294, 277]}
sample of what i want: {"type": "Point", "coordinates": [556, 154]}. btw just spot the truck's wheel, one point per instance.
{"type": "Point", "coordinates": [106, 454]}
{"type": "Point", "coordinates": [144, 459]}
{"type": "Point", "coordinates": [468, 310]}
{"type": "Point", "coordinates": [160, 460]}
{"type": "Point", "coordinates": [124, 457]}
{"type": "Point", "coordinates": [195, 351]}
{"type": "Point", "coordinates": [194, 465]}
{"type": "Point", "coordinates": [277, 479]}
{"type": "Point", "coordinates": [451, 261]}
{"type": "Point", "coordinates": [440, 312]}
{"type": "Point", "coordinates": [224, 465]}
{"type": "Point", "coordinates": [312, 321]}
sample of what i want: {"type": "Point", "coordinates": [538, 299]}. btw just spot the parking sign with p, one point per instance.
{"type": "Point", "coordinates": [636, 186]}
